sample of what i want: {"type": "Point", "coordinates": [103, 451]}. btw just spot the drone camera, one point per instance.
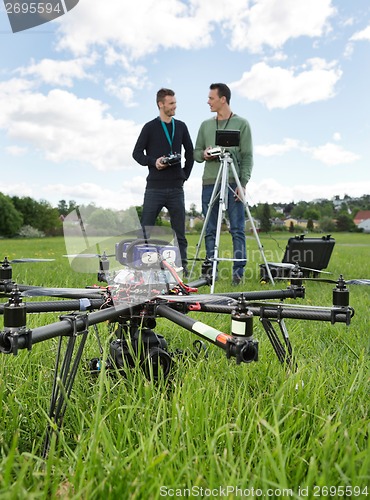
{"type": "Point", "coordinates": [152, 348]}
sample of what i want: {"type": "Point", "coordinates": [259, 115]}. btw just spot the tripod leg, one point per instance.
{"type": "Point", "coordinates": [221, 209]}
{"type": "Point", "coordinates": [212, 201]}
{"type": "Point", "coordinates": [244, 200]}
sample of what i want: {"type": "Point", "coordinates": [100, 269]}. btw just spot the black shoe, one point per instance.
{"type": "Point", "coordinates": [185, 272]}
{"type": "Point", "coordinates": [207, 267]}
{"type": "Point", "coordinates": [236, 280]}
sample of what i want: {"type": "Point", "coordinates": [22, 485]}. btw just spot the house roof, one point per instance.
{"type": "Point", "coordinates": [362, 215]}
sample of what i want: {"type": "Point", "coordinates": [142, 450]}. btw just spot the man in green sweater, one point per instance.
{"type": "Point", "coordinates": [242, 157]}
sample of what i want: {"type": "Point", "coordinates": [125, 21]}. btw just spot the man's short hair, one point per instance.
{"type": "Point", "coordinates": [162, 93]}
{"type": "Point", "coordinates": [222, 90]}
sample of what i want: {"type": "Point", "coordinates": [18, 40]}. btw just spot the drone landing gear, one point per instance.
{"type": "Point", "coordinates": [64, 376]}
{"type": "Point", "coordinates": [284, 351]}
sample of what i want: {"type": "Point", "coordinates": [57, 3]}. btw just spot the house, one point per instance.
{"type": "Point", "coordinates": [299, 223]}
{"type": "Point", "coordinates": [361, 216]}
{"type": "Point", "coordinates": [365, 226]}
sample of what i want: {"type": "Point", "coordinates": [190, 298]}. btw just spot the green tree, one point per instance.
{"type": "Point", "coordinates": [265, 218]}
{"type": "Point", "coordinates": [10, 219]}
{"type": "Point", "coordinates": [299, 210]}
{"type": "Point", "coordinates": [326, 208]}
{"type": "Point", "coordinates": [103, 220]}
{"type": "Point", "coordinates": [65, 208]}
{"type": "Point", "coordinates": [38, 214]}
{"type": "Point", "coordinates": [327, 225]}
{"type": "Point", "coordinates": [345, 223]}
{"type": "Point", "coordinates": [158, 220]}
{"type": "Point", "coordinates": [193, 212]}
{"type": "Point", "coordinates": [28, 207]}
{"type": "Point", "coordinates": [47, 219]}
{"type": "Point", "coordinates": [312, 213]}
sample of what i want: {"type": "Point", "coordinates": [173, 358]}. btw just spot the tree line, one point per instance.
{"type": "Point", "coordinates": [320, 215]}
{"type": "Point", "coordinates": [325, 215]}
{"type": "Point", "coordinates": [24, 216]}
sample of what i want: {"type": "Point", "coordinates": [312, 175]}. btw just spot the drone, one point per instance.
{"type": "Point", "coordinates": [142, 278]}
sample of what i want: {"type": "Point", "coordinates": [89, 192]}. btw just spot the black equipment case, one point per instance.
{"type": "Point", "coordinates": [313, 253]}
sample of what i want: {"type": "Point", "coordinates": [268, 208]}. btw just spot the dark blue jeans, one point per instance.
{"type": "Point", "coordinates": [172, 199]}
{"type": "Point", "coordinates": [236, 212]}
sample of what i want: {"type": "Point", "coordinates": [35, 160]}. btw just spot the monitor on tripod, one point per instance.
{"type": "Point", "coordinates": [227, 138]}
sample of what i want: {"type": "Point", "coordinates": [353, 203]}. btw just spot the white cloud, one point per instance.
{"type": "Point", "coordinates": [66, 128]}
{"type": "Point", "coordinates": [274, 22]}
{"type": "Point", "coordinates": [140, 30]}
{"type": "Point", "coordinates": [277, 87]}
{"type": "Point", "coordinates": [144, 29]}
{"type": "Point", "coordinates": [348, 51]}
{"type": "Point", "coordinates": [63, 73]}
{"type": "Point", "coordinates": [337, 136]}
{"type": "Point", "coordinates": [272, 191]}
{"type": "Point", "coordinates": [333, 154]}
{"type": "Point", "coordinates": [16, 150]}
{"type": "Point", "coordinates": [276, 57]}
{"type": "Point", "coordinates": [21, 189]}
{"type": "Point", "coordinates": [361, 35]}
{"type": "Point", "coordinates": [122, 87]}
{"type": "Point", "coordinates": [277, 149]}
{"type": "Point", "coordinates": [129, 194]}
{"type": "Point", "coordinates": [124, 93]}
{"type": "Point", "coordinates": [329, 153]}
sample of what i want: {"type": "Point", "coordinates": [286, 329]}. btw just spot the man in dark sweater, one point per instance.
{"type": "Point", "coordinates": [162, 137]}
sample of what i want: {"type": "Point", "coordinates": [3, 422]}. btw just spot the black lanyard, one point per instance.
{"type": "Point", "coordinates": [227, 123]}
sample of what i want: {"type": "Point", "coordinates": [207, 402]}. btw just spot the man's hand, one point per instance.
{"type": "Point", "coordinates": [239, 195]}
{"type": "Point", "coordinates": [206, 155]}
{"type": "Point", "coordinates": [159, 165]}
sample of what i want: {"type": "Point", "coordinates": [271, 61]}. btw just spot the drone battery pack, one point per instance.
{"type": "Point", "coordinates": [121, 252]}
{"type": "Point", "coordinates": [146, 255]}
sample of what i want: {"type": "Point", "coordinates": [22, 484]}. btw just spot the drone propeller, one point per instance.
{"type": "Point", "coordinates": [289, 265]}
{"type": "Point", "coordinates": [19, 261]}
{"type": "Point", "coordinates": [339, 282]}
{"type": "Point", "coordinates": [205, 297]}
{"type": "Point", "coordinates": [88, 255]}
{"type": "Point", "coordinates": [63, 292]}
{"type": "Point", "coordinates": [6, 270]}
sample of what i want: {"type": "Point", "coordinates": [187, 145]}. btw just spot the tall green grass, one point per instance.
{"type": "Point", "coordinates": [213, 425]}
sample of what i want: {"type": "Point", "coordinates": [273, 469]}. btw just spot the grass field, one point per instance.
{"type": "Point", "coordinates": [215, 429]}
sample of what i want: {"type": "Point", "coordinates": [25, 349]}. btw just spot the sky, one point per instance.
{"type": "Point", "coordinates": [76, 91]}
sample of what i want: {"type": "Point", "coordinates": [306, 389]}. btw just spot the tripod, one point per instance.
{"type": "Point", "coordinates": [222, 193]}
